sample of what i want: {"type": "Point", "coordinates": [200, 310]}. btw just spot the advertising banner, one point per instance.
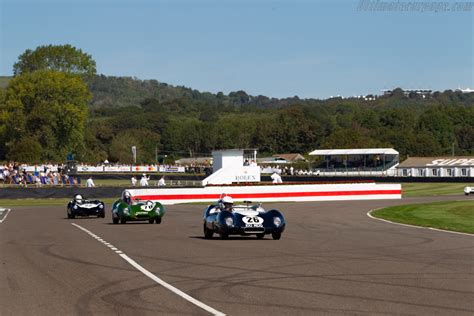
{"type": "Point", "coordinates": [171, 169]}
{"type": "Point", "coordinates": [85, 168]}
{"type": "Point", "coordinates": [144, 169]}
{"type": "Point", "coordinates": [117, 168]}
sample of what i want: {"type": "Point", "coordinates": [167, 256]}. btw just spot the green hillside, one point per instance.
{"type": "Point", "coordinates": [4, 81]}
{"type": "Point", "coordinates": [178, 121]}
{"type": "Point", "coordinates": [126, 91]}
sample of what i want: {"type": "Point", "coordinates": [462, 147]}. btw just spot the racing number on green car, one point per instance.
{"type": "Point", "coordinates": [148, 206]}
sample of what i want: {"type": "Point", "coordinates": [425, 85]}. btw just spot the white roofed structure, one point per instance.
{"type": "Point", "coordinates": [358, 151]}
{"type": "Point", "coordinates": [355, 160]}
{"type": "Point", "coordinates": [233, 166]}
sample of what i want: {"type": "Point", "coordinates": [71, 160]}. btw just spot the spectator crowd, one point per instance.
{"type": "Point", "coordinates": [53, 174]}
{"type": "Point", "coordinates": [48, 174]}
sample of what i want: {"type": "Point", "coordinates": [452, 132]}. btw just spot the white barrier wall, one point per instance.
{"type": "Point", "coordinates": [234, 175]}
{"type": "Point", "coordinates": [274, 193]}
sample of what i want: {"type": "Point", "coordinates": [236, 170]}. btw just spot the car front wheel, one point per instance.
{"type": "Point", "coordinates": [276, 236]}
{"type": "Point", "coordinates": [208, 233]}
{"type": "Point", "coordinates": [115, 220]}
{"type": "Point", "coordinates": [158, 220]}
{"type": "Point", "coordinates": [260, 236]}
{"type": "Point", "coordinates": [224, 235]}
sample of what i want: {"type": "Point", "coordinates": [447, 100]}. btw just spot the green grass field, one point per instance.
{"type": "Point", "coordinates": [454, 215]}
{"type": "Point", "coordinates": [433, 189]}
{"type": "Point", "coordinates": [123, 183]}
{"type": "Point", "coordinates": [10, 203]}
{"type": "Point", "coordinates": [112, 182]}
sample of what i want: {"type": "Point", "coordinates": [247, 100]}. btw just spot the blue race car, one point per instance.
{"type": "Point", "coordinates": [224, 218]}
{"type": "Point", "coordinates": [79, 206]}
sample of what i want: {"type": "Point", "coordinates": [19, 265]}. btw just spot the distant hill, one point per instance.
{"type": "Point", "coordinates": [111, 92]}
{"type": "Point", "coordinates": [127, 91]}
{"type": "Point", "coordinates": [4, 81]}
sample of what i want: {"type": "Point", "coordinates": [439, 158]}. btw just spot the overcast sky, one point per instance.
{"type": "Point", "coordinates": [274, 48]}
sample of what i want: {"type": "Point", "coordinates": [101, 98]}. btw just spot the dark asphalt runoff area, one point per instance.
{"type": "Point", "coordinates": [332, 259]}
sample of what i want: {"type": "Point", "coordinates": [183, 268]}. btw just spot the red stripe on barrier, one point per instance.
{"type": "Point", "coordinates": [263, 195]}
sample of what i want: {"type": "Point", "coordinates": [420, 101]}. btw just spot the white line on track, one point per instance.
{"type": "Point", "coordinates": [151, 275]}
{"type": "Point", "coordinates": [5, 217]}
{"type": "Point", "coordinates": [414, 226]}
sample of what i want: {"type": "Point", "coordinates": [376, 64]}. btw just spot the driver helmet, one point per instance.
{"type": "Point", "coordinates": [78, 198]}
{"type": "Point", "coordinates": [127, 196]}
{"type": "Point", "coordinates": [228, 202]}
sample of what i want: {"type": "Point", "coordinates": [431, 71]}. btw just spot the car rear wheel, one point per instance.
{"type": "Point", "coordinates": [208, 233]}
{"type": "Point", "coordinates": [73, 215]}
{"type": "Point", "coordinates": [260, 236]}
{"type": "Point", "coordinates": [224, 235]}
{"type": "Point", "coordinates": [123, 221]}
{"type": "Point", "coordinates": [158, 220]}
{"type": "Point", "coordinates": [115, 220]}
{"type": "Point", "coordinates": [276, 236]}
{"type": "Point", "coordinates": [151, 220]}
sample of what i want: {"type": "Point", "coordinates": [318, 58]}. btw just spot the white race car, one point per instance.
{"type": "Point", "coordinates": [468, 190]}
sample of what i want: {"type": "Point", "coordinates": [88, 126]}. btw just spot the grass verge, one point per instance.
{"type": "Point", "coordinates": [454, 215]}
{"type": "Point", "coordinates": [433, 189]}
{"type": "Point", "coordinates": [10, 203]}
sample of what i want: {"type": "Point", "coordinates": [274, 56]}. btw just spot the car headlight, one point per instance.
{"type": "Point", "coordinates": [125, 211]}
{"type": "Point", "coordinates": [101, 205]}
{"type": "Point", "coordinates": [75, 207]}
{"type": "Point", "coordinates": [229, 221]}
{"type": "Point", "coordinates": [277, 221]}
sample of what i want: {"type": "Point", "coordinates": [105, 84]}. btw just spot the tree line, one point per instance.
{"type": "Point", "coordinates": [50, 109]}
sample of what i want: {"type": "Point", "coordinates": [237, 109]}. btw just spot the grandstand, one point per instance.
{"type": "Point", "coordinates": [360, 161]}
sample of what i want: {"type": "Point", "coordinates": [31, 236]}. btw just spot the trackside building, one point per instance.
{"type": "Point", "coordinates": [461, 166]}
{"type": "Point", "coordinates": [356, 162]}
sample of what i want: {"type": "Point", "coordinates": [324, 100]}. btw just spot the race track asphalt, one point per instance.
{"type": "Point", "coordinates": [332, 259]}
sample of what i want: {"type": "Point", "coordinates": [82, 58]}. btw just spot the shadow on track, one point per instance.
{"type": "Point", "coordinates": [81, 217]}
{"type": "Point", "coordinates": [231, 238]}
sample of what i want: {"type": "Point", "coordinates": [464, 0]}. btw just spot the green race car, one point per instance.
{"type": "Point", "coordinates": [129, 209]}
